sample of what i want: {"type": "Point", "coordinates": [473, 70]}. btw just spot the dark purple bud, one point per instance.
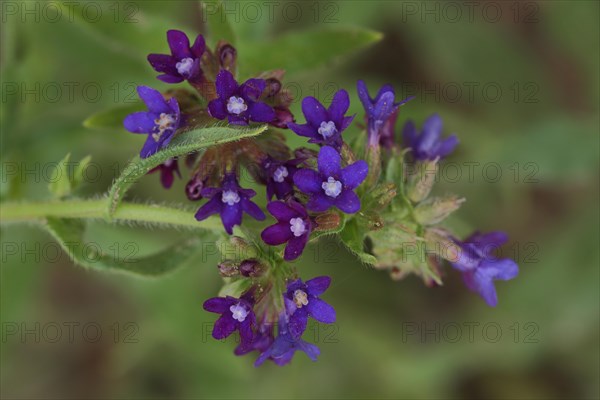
{"type": "Point", "coordinates": [283, 116]}
{"type": "Point", "coordinates": [273, 86]}
{"type": "Point", "coordinates": [227, 56]}
{"type": "Point", "coordinates": [251, 268]}
{"type": "Point", "coordinates": [194, 188]}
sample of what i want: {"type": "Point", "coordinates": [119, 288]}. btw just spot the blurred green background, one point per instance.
{"type": "Point", "coordinates": [520, 89]}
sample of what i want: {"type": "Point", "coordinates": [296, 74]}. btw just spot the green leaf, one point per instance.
{"type": "Point", "coordinates": [112, 118]}
{"type": "Point", "coordinates": [78, 174]}
{"type": "Point", "coordinates": [301, 51]}
{"type": "Point", "coordinates": [60, 185]}
{"type": "Point", "coordinates": [182, 144]}
{"type": "Point", "coordinates": [216, 22]}
{"type": "Point", "coordinates": [354, 240]}
{"type": "Point", "coordinates": [69, 233]}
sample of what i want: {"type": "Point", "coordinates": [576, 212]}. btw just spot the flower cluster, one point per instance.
{"type": "Point", "coordinates": [301, 300]}
{"type": "Point", "coordinates": [374, 204]}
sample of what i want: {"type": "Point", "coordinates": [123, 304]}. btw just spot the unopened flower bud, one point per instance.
{"type": "Point", "coordinates": [282, 117]}
{"type": "Point", "coordinates": [383, 194]}
{"type": "Point", "coordinates": [194, 187]}
{"type": "Point", "coordinates": [237, 249]}
{"type": "Point", "coordinates": [437, 209]}
{"type": "Point", "coordinates": [251, 268]}
{"type": "Point", "coordinates": [272, 87]}
{"type": "Point", "coordinates": [228, 268]}
{"type": "Point", "coordinates": [327, 221]}
{"type": "Point", "coordinates": [421, 181]}
{"type": "Point", "coordinates": [227, 56]}
{"type": "Point", "coordinates": [371, 220]}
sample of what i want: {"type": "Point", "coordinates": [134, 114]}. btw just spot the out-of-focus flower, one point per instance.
{"type": "Point", "coordinates": [479, 266]}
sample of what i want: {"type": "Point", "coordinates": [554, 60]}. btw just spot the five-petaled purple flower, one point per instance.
{"type": "Point", "coordinates": [184, 61]}
{"type": "Point", "coordinates": [280, 177]}
{"type": "Point", "coordinates": [324, 126]}
{"type": "Point", "coordinates": [293, 227]}
{"type": "Point", "coordinates": [229, 200]}
{"type": "Point", "coordinates": [168, 169]}
{"type": "Point", "coordinates": [332, 185]}
{"type": "Point", "coordinates": [302, 301]}
{"type": "Point", "coordinates": [236, 314]}
{"type": "Point", "coordinates": [240, 103]}
{"type": "Point", "coordinates": [282, 349]}
{"type": "Point", "coordinates": [160, 121]}
{"type": "Point", "coordinates": [379, 111]}
{"type": "Point", "coordinates": [429, 144]}
{"type": "Point", "coordinates": [480, 267]}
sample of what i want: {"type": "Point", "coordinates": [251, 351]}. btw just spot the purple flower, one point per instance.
{"type": "Point", "coordinates": [293, 227]}
{"type": "Point", "coordinates": [280, 177]}
{"type": "Point", "coordinates": [236, 314]}
{"type": "Point", "coordinates": [184, 61]}
{"type": "Point", "coordinates": [379, 110]}
{"type": "Point", "coordinates": [168, 169]}
{"type": "Point", "coordinates": [428, 145]}
{"type": "Point", "coordinates": [302, 301]}
{"type": "Point", "coordinates": [262, 340]}
{"type": "Point", "coordinates": [229, 200]}
{"type": "Point", "coordinates": [282, 349]}
{"type": "Point", "coordinates": [240, 103]}
{"type": "Point", "coordinates": [160, 121]}
{"type": "Point", "coordinates": [479, 266]}
{"type": "Point", "coordinates": [324, 126]}
{"type": "Point", "coordinates": [332, 185]}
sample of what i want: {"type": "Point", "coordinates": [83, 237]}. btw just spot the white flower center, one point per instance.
{"type": "Point", "coordinates": [239, 312]}
{"type": "Point", "coordinates": [332, 187]}
{"type": "Point", "coordinates": [327, 129]}
{"type": "Point", "coordinates": [184, 67]}
{"type": "Point", "coordinates": [280, 174]}
{"type": "Point", "coordinates": [230, 197]}
{"type": "Point", "coordinates": [161, 124]}
{"type": "Point", "coordinates": [300, 298]}
{"type": "Point", "coordinates": [297, 226]}
{"type": "Point", "coordinates": [236, 105]}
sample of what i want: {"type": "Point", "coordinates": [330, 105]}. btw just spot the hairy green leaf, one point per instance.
{"type": "Point", "coordinates": [69, 233]}
{"type": "Point", "coordinates": [182, 144]}
{"type": "Point", "coordinates": [354, 240]}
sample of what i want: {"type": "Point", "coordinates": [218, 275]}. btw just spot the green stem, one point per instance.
{"type": "Point", "coordinates": [96, 209]}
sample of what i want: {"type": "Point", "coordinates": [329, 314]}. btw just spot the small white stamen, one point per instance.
{"type": "Point", "coordinates": [162, 123]}
{"type": "Point", "coordinates": [239, 312]}
{"type": "Point", "coordinates": [236, 105]}
{"type": "Point", "coordinates": [300, 298]}
{"type": "Point", "coordinates": [332, 187]}
{"type": "Point", "coordinates": [280, 174]}
{"type": "Point", "coordinates": [327, 129]}
{"type": "Point", "coordinates": [230, 197]}
{"type": "Point", "coordinates": [297, 226]}
{"type": "Point", "coordinates": [184, 67]}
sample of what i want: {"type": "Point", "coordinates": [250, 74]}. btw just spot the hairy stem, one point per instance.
{"type": "Point", "coordinates": [96, 209]}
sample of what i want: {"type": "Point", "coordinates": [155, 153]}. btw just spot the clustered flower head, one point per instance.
{"type": "Point", "coordinates": [371, 199]}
